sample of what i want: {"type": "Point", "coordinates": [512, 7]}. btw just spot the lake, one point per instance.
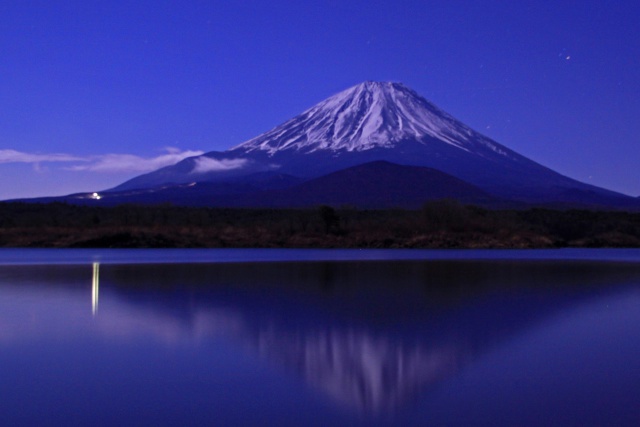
{"type": "Point", "coordinates": [319, 337]}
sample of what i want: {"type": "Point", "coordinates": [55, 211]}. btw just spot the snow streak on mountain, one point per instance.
{"type": "Point", "coordinates": [369, 115]}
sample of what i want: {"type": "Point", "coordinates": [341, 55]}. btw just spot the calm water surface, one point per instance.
{"type": "Point", "coordinates": [263, 337]}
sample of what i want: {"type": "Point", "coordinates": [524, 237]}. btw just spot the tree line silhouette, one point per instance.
{"type": "Point", "coordinates": [439, 224]}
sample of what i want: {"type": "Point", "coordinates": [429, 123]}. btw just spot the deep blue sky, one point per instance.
{"type": "Point", "coordinates": [95, 92]}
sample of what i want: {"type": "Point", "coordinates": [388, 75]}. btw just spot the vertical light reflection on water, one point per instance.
{"type": "Point", "coordinates": [95, 288]}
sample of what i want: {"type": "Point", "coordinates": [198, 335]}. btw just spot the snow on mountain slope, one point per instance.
{"type": "Point", "coordinates": [369, 115]}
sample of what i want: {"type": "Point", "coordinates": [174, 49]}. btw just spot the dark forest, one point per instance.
{"type": "Point", "coordinates": [440, 224]}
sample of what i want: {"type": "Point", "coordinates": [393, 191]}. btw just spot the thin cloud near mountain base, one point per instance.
{"type": "Point", "coordinates": [207, 164]}
{"type": "Point", "coordinates": [15, 156]}
{"type": "Point", "coordinates": [132, 163]}
{"type": "Point", "coordinates": [105, 163]}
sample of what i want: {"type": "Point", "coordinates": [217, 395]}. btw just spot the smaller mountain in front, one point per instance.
{"type": "Point", "coordinates": [377, 184]}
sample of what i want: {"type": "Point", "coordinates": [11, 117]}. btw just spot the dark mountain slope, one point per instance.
{"type": "Point", "coordinates": [377, 184]}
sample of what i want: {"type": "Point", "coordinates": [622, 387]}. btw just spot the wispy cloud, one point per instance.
{"type": "Point", "coordinates": [107, 163]}
{"type": "Point", "coordinates": [207, 164]}
{"type": "Point", "coordinates": [131, 163]}
{"type": "Point", "coordinates": [14, 156]}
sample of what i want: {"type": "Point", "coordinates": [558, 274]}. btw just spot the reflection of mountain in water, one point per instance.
{"type": "Point", "coordinates": [358, 369]}
{"type": "Point", "coordinates": [372, 336]}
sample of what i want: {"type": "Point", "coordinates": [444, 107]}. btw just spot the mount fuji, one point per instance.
{"type": "Point", "coordinates": [374, 123]}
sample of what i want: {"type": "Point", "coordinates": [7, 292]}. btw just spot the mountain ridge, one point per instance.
{"type": "Point", "coordinates": [381, 121]}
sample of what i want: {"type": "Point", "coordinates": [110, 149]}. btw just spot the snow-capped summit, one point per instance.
{"type": "Point", "coordinates": [366, 116]}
